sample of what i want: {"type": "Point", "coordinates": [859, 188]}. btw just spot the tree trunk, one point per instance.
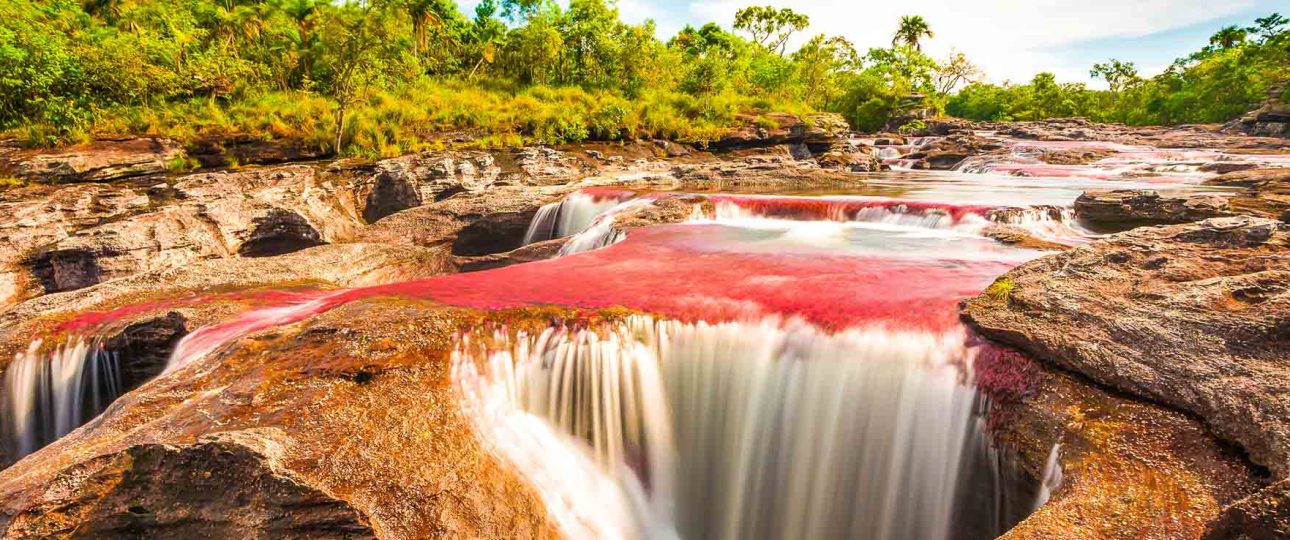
{"type": "Point", "coordinates": [340, 127]}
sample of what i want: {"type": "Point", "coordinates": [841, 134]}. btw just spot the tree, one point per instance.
{"type": "Point", "coordinates": [351, 60]}
{"type": "Point", "coordinates": [1117, 74]}
{"type": "Point", "coordinates": [1268, 27]}
{"type": "Point", "coordinates": [955, 70]}
{"type": "Point", "coordinates": [912, 30]}
{"type": "Point", "coordinates": [770, 27]}
{"type": "Point", "coordinates": [819, 62]}
{"type": "Point", "coordinates": [1228, 37]}
{"type": "Point", "coordinates": [424, 14]}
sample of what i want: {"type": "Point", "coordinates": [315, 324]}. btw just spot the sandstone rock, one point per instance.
{"type": "Point", "coordinates": [947, 153]}
{"type": "Point", "coordinates": [771, 129]}
{"type": "Point", "coordinates": [850, 157]}
{"type": "Point", "coordinates": [543, 166]}
{"type": "Point", "coordinates": [343, 426]}
{"type": "Point", "coordinates": [1267, 192]}
{"type": "Point", "coordinates": [410, 181]}
{"type": "Point", "coordinates": [225, 485]}
{"type": "Point", "coordinates": [1262, 516]}
{"type": "Point", "coordinates": [1124, 209]}
{"type": "Point", "coordinates": [1193, 316]}
{"type": "Point", "coordinates": [41, 215]}
{"type": "Point", "coordinates": [101, 161]}
{"type": "Point", "coordinates": [468, 224]}
{"type": "Point", "coordinates": [230, 151]}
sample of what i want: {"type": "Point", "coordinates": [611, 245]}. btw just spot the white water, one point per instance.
{"type": "Point", "coordinates": [1052, 478]}
{"type": "Point", "coordinates": [735, 430]}
{"type": "Point", "coordinates": [48, 394]}
{"type": "Point", "coordinates": [601, 231]}
{"type": "Point", "coordinates": [568, 217]}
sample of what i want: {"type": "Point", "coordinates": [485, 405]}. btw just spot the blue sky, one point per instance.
{"type": "Point", "coordinates": [1010, 39]}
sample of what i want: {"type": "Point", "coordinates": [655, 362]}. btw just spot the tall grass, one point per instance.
{"type": "Point", "coordinates": [427, 113]}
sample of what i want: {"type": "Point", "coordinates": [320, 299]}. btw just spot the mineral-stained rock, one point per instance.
{"type": "Point", "coordinates": [1267, 191]}
{"type": "Point", "coordinates": [225, 485]}
{"type": "Point", "coordinates": [344, 426]}
{"type": "Point", "coordinates": [818, 131]}
{"type": "Point", "coordinates": [946, 153]}
{"type": "Point", "coordinates": [1195, 316]}
{"type": "Point", "coordinates": [1129, 208]}
{"type": "Point", "coordinates": [40, 215]}
{"type": "Point", "coordinates": [100, 161]}
{"type": "Point", "coordinates": [543, 166]}
{"type": "Point", "coordinates": [468, 224]}
{"type": "Point", "coordinates": [412, 180]}
{"type": "Point", "coordinates": [1262, 516]}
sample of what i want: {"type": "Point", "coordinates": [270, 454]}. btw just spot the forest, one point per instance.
{"type": "Point", "coordinates": [384, 77]}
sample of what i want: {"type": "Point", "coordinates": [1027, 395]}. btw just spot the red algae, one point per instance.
{"type": "Point", "coordinates": [685, 272]}
{"type": "Point", "coordinates": [840, 208]}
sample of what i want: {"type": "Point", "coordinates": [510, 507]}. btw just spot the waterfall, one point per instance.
{"type": "Point", "coordinates": [770, 429]}
{"type": "Point", "coordinates": [47, 395]}
{"type": "Point", "coordinates": [572, 215]}
{"type": "Point", "coordinates": [543, 226]}
{"type": "Point", "coordinates": [1052, 478]}
{"type": "Point", "coordinates": [601, 231]}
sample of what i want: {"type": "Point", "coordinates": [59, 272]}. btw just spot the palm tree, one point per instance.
{"type": "Point", "coordinates": [912, 29]}
{"type": "Point", "coordinates": [423, 15]}
{"type": "Point", "coordinates": [1228, 37]}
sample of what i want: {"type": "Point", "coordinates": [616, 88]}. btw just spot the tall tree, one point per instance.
{"type": "Point", "coordinates": [955, 70]}
{"type": "Point", "coordinates": [1117, 74]}
{"type": "Point", "coordinates": [1228, 37]}
{"type": "Point", "coordinates": [770, 27]}
{"type": "Point", "coordinates": [1268, 27]}
{"type": "Point", "coordinates": [913, 28]}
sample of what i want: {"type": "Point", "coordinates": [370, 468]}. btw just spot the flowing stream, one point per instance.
{"type": "Point", "coordinates": [797, 368]}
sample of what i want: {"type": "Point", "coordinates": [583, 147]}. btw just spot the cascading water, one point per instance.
{"type": "Point", "coordinates": [48, 394]}
{"type": "Point", "coordinates": [763, 429]}
{"type": "Point", "coordinates": [572, 215]}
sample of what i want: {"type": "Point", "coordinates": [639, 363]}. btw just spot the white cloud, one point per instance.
{"type": "Point", "coordinates": [1010, 39]}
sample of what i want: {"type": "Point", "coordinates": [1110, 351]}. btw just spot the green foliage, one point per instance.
{"type": "Point", "coordinates": [1001, 289]}
{"type": "Point", "coordinates": [1218, 83]}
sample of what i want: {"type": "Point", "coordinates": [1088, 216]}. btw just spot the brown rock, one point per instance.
{"type": "Point", "coordinates": [100, 161]}
{"type": "Point", "coordinates": [410, 181]}
{"type": "Point", "coordinates": [1194, 316]}
{"type": "Point", "coordinates": [945, 154]}
{"type": "Point", "coordinates": [1124, 209]}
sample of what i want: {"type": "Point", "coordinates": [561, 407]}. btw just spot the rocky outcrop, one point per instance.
{"type": "Point", "coordinates": [945, 154]}
{"type": "Point", "coordinates": [1195, 316]}
{"type": "Point", "coordinates": [849, 156]}
{"type": "Point", "coordinates": [468, 224]}
{"type": "Point", "coordinates": [1125, 209]}
{"type": "Point", "coordinates": [1266, 191]}
{"type": "Point", "coordinates": [410, 181]}
{"type": "Point", "coordinates": [99, 161]}
{"type": "Point", "coordinates": [41, 215]}
{"type": "Point", "coordinates": [817, 131]}
{"type": "Point", "coordinates": [343, 426]}
{"type": "Point", "coordinates": [225, 485]}
{"type": "Point", "coordinates": [1270, 120]}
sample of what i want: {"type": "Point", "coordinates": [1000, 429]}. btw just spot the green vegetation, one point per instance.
{"type": "Point", "coordinates": [1229, 77]}
{"type": "Point", "coordinates": [383, 77]}
{"type": "Point", "coordinates": [1001, 289]}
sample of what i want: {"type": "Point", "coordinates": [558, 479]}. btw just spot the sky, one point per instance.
{"type": "Point", "coordinates": [1009, 39]}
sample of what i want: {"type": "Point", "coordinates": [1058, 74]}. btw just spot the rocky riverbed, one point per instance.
{"type": "Point", "coordinates": [287, 336]}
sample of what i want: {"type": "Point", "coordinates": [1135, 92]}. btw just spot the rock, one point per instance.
{"type": "Point", "coordinates": [41, 215]}
{"type": "Point", "coordinates": [234, 151]}
{"type": "Point", "coordinates": [772, 129]}
{"type": "Point", "coordinates": [346, 425]}
{"type": "Point", "coordinates": [850, 157]}
{"type": "Point", "coordinates": [671, 149]}
{"type": "Point", "coordinates": [1195, 316]}
{"type": "Point", "coordinates": [945, 154]}
{"type": "Point", "coordinates": [1074, 156]}
{"type": "Point", "coordinates": [225, 485]}
{"type": "Point", "coordinates": [100, 161]}
{"type": "Point", "coordinates": [541, 166]}
{"type": "Point", "coordinates": [252, 213]}
{"type": "Point", "coordinates": [468, 224]}
{"type": "Point", "coordinates": [1262, 516]}
{"type": "Point", "coordinates": [1266, 194]}
{"type": "Point", "coordinates": [410, 181]}
{"type": "Point", "coordinates": [1124, 209]}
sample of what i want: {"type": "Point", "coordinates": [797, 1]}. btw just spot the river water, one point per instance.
{"type": "Point", "coordinates": [798, 369]}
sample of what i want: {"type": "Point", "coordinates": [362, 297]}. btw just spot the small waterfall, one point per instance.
{"type": "Point", "coordinates": [572, 215]}
{"type": "Point", "coordinates": [601, 232]}
{"type": "Point", "coordinates": [49, 394]}
{"type": "Point", "coordinates": [1055, 223]}
{"type": "Point", "coordinates": [543, 226]}
{"type": "Point", "coordinates": [883, 211]}
{"type": "Point", "coordinates": [1052, 479]}
{"type": "Point", "coordinates": [738, 430]}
